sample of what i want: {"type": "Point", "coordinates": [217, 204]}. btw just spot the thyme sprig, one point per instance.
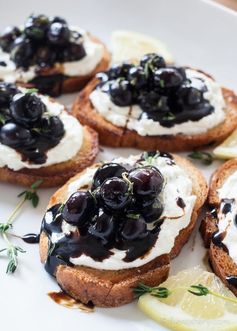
{"type": "Point", "coordinates": [11, 251]}
{"type": "Point", "coordinates": [164, 292]}
{"type": "Point", "coordinates": [204, 157]}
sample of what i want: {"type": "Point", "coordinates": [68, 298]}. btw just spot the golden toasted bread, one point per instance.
{"type": "Point", "coordinates": [55, 84]}
{"type": "Point", "coordinates": [109, 288]}
{"type": "Point", "coordinates": [56, 174]}
{"type": "Point", "coordinates": [114, 136]}
{"type": "Point", "coordinates": [222, 264]}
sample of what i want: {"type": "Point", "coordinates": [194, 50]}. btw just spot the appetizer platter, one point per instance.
{"type": "Point", "coordinates": [118, 148]}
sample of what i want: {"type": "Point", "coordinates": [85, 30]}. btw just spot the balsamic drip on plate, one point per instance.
{"type": "Point", "coordinates": [63, 299]}
{"type": "Point", "coordinates": [31, 238]}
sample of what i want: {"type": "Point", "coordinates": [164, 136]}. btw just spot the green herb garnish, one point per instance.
{"type": "Point", "coordinates": [163, 292]}
{"type": "Point", "coordinates": [168, 117]}
{"type": "Point", "coordinates": [31, 90]}
{"type": "Point", "coordinates": [2, 119]}
{"type": "Point", "coordinates": [205, 157]}
{"type": "Point", "coordinates": [12, 251]}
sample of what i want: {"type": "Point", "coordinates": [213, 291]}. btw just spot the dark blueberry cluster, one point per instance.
{"type": "Point", "coordinates": [119, 205]}
{"type": "Point", "coordinates": [162, 91]}
{"type": "Point", "coordinates": [43, 41]}
{"type": "Point", "coordinates": [25, 124]}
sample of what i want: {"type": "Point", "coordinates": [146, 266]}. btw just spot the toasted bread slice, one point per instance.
{"type": "Point", "coordinates": [221, 262]}
{"type": "Point", "coordinates": [115, 136]}
{"type": "Point", "coordinates": [56, 174]}
{"type": "Point", "coordinates": [109, 288]}
{"type": "Point", "coordinates": [52, 81]}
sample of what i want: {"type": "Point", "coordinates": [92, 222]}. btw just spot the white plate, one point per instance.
{"type": "Point", "coordinates": [199, 34]}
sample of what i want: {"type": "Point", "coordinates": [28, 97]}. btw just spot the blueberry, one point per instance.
{"type": "Point", "coordinates": [153, 212]}
{"type": "Point", "coordinates": [152, 61]}
{"type": "Point", "coordinates": [53, 128]}
{"type": "Point", "coordinates": [13, 135]}
{"type": "Point", "coordinates": [107, 170]}
{"type": "Point", "coordinates": [58, 19]}
{"type": "Point", "coordinates": [134, 229]}
{"type": "Point", "coordinates": [36, 26]}
{"type": "Point", "coordinates": [103, 227]}
{"type": "Point", "coordinates": [79, 208]}
{"type": "Point", "coordinates": [147, 182]}
{"type": "Point", "coordinates": [121, 93]}
{"type": "Point", "coordinates": [166, 78]}
{"type": "Point", "coordinates": [22, 52]}
{"type": "Point", "coordinates": [26, 108]}
{"type": "Point", "coordinates": [8, 36]}
{"type": "Point", "coordinates": [45, 56]}
{"type": "Point", "coordinates": [137, 77]}
{"type": "Point", "coordinates": [189, 96]}
{"type": "Point", "coordinates": [74, 52]}
{"type": "Point", "coordinates": [58, 34]}
{"type": "Point", "coordinates": [7, 91]}
{"type": "Point", "coordinates": [115, 193]}
{"type": "Point", "coordinates": [152, 101]}
{"type": "Point", "coordinates": [119, 70]}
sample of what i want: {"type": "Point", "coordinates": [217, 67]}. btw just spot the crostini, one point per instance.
{"type": "Point", "coordinates": [219, 227]}
{"type": "Point", "coordinates": [157, 106]}
{"type": "Point", "coordinates": [39, 139]}
{"type": "Point", "coordinates": [50, 55]}
{"type": "Point", "coordinates": [117, 224]}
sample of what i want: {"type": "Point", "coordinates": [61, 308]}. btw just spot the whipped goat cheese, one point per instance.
{"type": "Point", "coordinates": [226, 221]}
{"type": "Point", "coordinates": [134, 118]}
{"type": "Point", "coordinates": [177, 185]}
{"type": "Point", "coordinates": [94, 54]}
{"type": "Point", "coordinates": [66, 149]}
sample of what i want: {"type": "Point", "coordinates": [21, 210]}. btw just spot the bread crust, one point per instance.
{"type": "Point", "coordinates": [222, 264]}
{"type": "Point", "coordinates": [114, 136]}
{"type": "Point", "coordinates": [69, 84]}
{"type": "Point", "coordinates": [56, 174]}
{"type": "Point", "coordinates": [110, 288]}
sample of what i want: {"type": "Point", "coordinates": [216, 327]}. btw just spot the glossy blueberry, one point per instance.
{"type": "Point", "coordinates": [53, 127]}
{"type": "Point", "coordinates": [103, 227]}
{"type": "Point", "coordinates": [119, 70]}
{"type": "Point", "coordinates": [115, 193]}
{"type": "Point", "coordinates": [152, 101]}
{"type": "Point", "coordinates": [166, 78]}
{"type": "Point", "coordinates": [106, 171]}
{"type": "Point", "coordinates": [27, 108]}
{"type": "Point", "coordinates": [147, 182]}
{"type": "Point", "coordinates": [13, 135]}
{"type": "Point", "coordinates": [134, 229]}
{"type": "Point", "coordinates": [121, 93]}
{"type": "Point", "coordinates": [58, 34]}
{"type": "Point", "coordinates": [8, 36]}
{"type": "Point", "coordinates": [74, 52]}
{"type": "Point", "coordinates": [58, 19]}
{"type": "Point", "coordinates": [189, 96]}
{"type": "Point", "coordinates": [153, 212]}
{"type": "Point", "coordinates": [45, 56]}
{"type": "Point", "coordinates": [137, 77]}
{"type": "Point", "coordinates": [153, 61]}
{"type": "Point", "coordinates": [79, 208]}
{"type": "Point", "coordinates": [36, 26]}
{"type": "Point", "coordinates": [22, 52]}
{"type": "Point", "coordinates": [7, 91]}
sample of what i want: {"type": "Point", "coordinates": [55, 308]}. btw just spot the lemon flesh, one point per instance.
{"type": "Point", "coordinates": [131, 46]}
{"type": "Point", "coordinates": [228, 149]}
{"type": "Point", "coordinates": [187, 312]}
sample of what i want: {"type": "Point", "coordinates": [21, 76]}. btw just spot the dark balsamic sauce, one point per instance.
{"type": "Point", "coordinates": [217, 239]}
{"type": "Point", "coordinates": [180, 203]}
{"type": "Point", "coordinates": [75, 244]}
{"type": "Point", "coordinates": [31, 238]}
{"type": "Point", "coordinates": [63, 299]}
{"type": "Point", "coordinates": [3, 64]}
{"type": "Point", "coordinates": [227, 205]}
{"type": "Point", "coordinates": [51, 84]}
{"type": "Point", "coordinates": [232, 280]}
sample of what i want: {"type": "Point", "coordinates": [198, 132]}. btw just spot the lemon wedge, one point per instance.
{"type": "Point", "coordinates": [183, 311]}
{"type": "Point", "coordinates": [228, 149]}
{"type": "Point", "coordinates": [131, 46]}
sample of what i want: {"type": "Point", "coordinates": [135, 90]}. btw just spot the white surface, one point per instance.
{"type": "Point", "coordinates": [199, 34]}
